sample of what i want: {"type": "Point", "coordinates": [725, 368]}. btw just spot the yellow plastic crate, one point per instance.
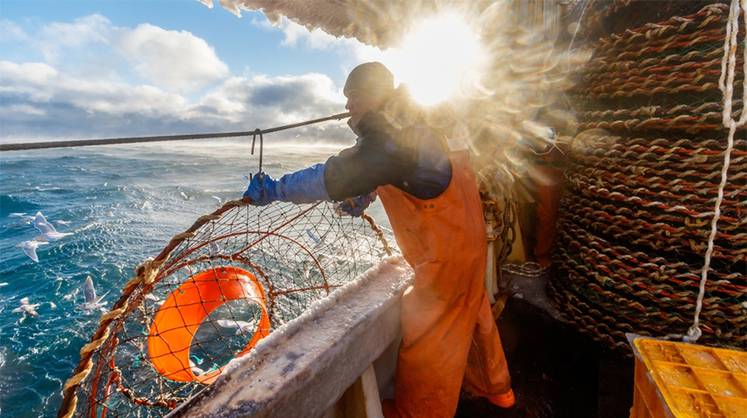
{"type": "Point", "coordinates": [674, 379]}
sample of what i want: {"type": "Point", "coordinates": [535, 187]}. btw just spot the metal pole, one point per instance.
{"type": "Point", "coordinates": [161, 138]}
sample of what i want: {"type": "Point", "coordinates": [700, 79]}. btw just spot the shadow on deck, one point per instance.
{"type": "Point", "coordinates": [556, 371]}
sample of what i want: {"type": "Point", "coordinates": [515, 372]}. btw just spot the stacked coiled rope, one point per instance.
{"type": "Point", "coordinates": [643, 182]}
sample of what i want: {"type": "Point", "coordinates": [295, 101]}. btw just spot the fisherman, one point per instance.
{"type": "Point", "coordinates": [449, 337]}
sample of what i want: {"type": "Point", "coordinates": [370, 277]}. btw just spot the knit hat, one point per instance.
{"type": "Point", "coordinates": [371, 78]}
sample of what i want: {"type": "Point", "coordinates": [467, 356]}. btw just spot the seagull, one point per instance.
{"type": "Point", "coordinates": [313, 237]}
{"type": "Point", "coordinates": [214, 248]}
{"type": "Point", "coordinates": [195, 369]}
{"type": "Point", "coordinates": [29, 248]}
{"type": "Point", "coordinates": [242, 327]}
{"type": "Point", "coordinates": [92, 302]}
{"type": "Point", "coordinates": [218, 200]}
{"type": "Point", "coordinates": [153, 298]}
{"type": "Point", "coordinates": [27, 308]}
{"type": "Point", "coordinates": [49, 233]}
{"type": "Point", "coordinates": [184, 195]}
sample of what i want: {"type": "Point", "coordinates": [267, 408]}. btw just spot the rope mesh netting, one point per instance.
{"type": "Point", "coordinates": [210, 296]}
{"type": "Point", "coordinates": [644, 176]}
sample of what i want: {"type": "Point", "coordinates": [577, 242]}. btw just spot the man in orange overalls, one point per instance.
{"type": "Point", "coordinates": [449, 337]}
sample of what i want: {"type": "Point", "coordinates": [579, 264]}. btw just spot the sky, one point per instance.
{"type": "Point", "coordinates": [78, 69]}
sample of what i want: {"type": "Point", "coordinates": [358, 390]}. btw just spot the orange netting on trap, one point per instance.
{"type": "Point", "coordinates": [211, 295]}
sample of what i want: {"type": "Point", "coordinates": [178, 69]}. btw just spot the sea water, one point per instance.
{"type": "Point", "coordinates": [122, 204]}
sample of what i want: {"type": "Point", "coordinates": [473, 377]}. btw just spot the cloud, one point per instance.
{"type": "Point", "coordinates": [175, 59]}
{"type": "Point", "coordinates": [94, 79]}
{"type": "Point", "coordinates": [40, 83]}
{"type": "Point", "coordinates": [55, 40]}
{"type": "Point", "coordinates": [12, 32]}
{"type": "Point", "coordinates": [295, 35]}
{"type": "Point", "coordinates": [36, 100]}
{"type": "Point", "coordinates": [350, 51]}
{"type": "Point", "coordinates": [266, 101]}
{"type": "Point", "coordinates": [88, 29]}
{"type": "Point", "coordinates": [302, 94]}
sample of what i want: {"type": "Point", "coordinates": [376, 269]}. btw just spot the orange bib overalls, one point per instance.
{"type": "Point", "coordinates": [448, 332]}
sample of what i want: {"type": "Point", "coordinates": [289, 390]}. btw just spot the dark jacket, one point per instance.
{"type": "Point", "coordinates": [414, 159]}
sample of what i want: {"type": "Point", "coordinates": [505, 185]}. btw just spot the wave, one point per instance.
{"type": "Point", "coordinates": [12, 204]}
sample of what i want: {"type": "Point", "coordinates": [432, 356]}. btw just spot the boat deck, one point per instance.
{"type": "Point", "coordinates": [556, 371]}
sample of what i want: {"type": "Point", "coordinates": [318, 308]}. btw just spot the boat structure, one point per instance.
{"type": "Point", "coordinates": [610, 144]}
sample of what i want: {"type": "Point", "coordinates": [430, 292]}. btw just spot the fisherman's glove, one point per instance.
{"type": "Point", "coordinates": [303, 186]}
{"type": "Point", "coordinates": [355, 206]}
{"type": "Point", "coordinates": [261, 190]}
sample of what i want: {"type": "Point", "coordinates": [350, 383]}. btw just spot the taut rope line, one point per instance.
{"type": "Point", "coordinates": [161, 138]}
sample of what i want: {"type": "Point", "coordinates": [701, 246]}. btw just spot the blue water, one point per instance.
{"type": "Point", "coordinates": [123, 203]}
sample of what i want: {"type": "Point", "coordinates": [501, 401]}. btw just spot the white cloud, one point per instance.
{"type": "Point", "coordinates": [22, 110]}
{"type": "Point", "coordinates": [53, 40]}
{"type": "Point", "coordinates": [296, 35]}
{"type": "Point", "coordinates": [40, 83]}
{"type": "Point", "coordinates": [12, 32]}
{"type": "Point", "coordinates": [93, 79]}
{"type": "Point", "coordinates": [33, 72]}
{"type": "Point", "coordinates": [87, 29]}
{"type": "Point", "coordinates": [287, 97]}
{"type": "Point", "coordinates": [175, 59]}
{"type": "Point", "coordinates": [28, 79]}
{"type": "Point", "coordinates": [40, 99]}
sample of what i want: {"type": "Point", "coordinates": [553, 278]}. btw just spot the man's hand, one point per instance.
{"type": "Point", "coordinates": [355, 206]}
{"type": "Point", "coordinates": [262, 190]}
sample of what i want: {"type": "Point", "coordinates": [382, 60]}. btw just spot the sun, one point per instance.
{"type": "Point", "coordinates": [438, 59]}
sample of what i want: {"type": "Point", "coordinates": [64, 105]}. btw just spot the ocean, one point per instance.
{"type": "Point", "coordinates": [122, 204]}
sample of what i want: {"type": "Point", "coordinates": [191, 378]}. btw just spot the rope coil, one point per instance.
{"type": "Point", "coordinates": [652, 232]}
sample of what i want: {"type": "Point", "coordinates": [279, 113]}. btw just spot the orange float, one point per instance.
{"type": "Point", "coordinates": [184, 310]}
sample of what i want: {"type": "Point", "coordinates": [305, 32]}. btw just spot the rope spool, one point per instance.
{"type": "Point", "coordinates": [648, 178]}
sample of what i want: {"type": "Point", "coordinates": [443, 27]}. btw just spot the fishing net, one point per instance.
{"type": "Point", "coordinates": [644, 177]}
{"type": "Point", "coordinates": [210, 296]}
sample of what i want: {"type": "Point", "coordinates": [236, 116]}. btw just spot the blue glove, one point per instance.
{"type": "Point", "coordinates": [304, 186]}
{"type": "Point", "coordinates": [355, 206]}
{"type": "Point", "coordinates": [262, 190]}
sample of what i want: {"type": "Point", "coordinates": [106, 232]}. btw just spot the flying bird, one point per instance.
{"type": "Point", "coordinates": [27, 308]}
{"type": "Point", "coordinates": [29, 248]}
{"type": "Point", "coordinates": [89, 292]}
{"type": "Point", "coordinates": [48, 231]}
{"type": "Point", "coordinates": [153, 298]}
{"type": "Point", "coordinates": [241, 327]}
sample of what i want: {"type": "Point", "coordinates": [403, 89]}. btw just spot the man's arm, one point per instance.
{"type": "Point", "coordinates": [412, 161]}
{"type": "Point", "coordinates": [359, 170]}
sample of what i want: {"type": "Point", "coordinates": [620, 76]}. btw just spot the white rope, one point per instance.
{"type": "Point", "coordinates": [726, 84]}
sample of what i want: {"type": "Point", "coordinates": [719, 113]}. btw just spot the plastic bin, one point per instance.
{"type": "Point", "coordinates": [674, 379]}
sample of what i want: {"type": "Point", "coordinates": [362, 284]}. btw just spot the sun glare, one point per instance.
{"type": "Point", "coordinates": [438, 58]}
